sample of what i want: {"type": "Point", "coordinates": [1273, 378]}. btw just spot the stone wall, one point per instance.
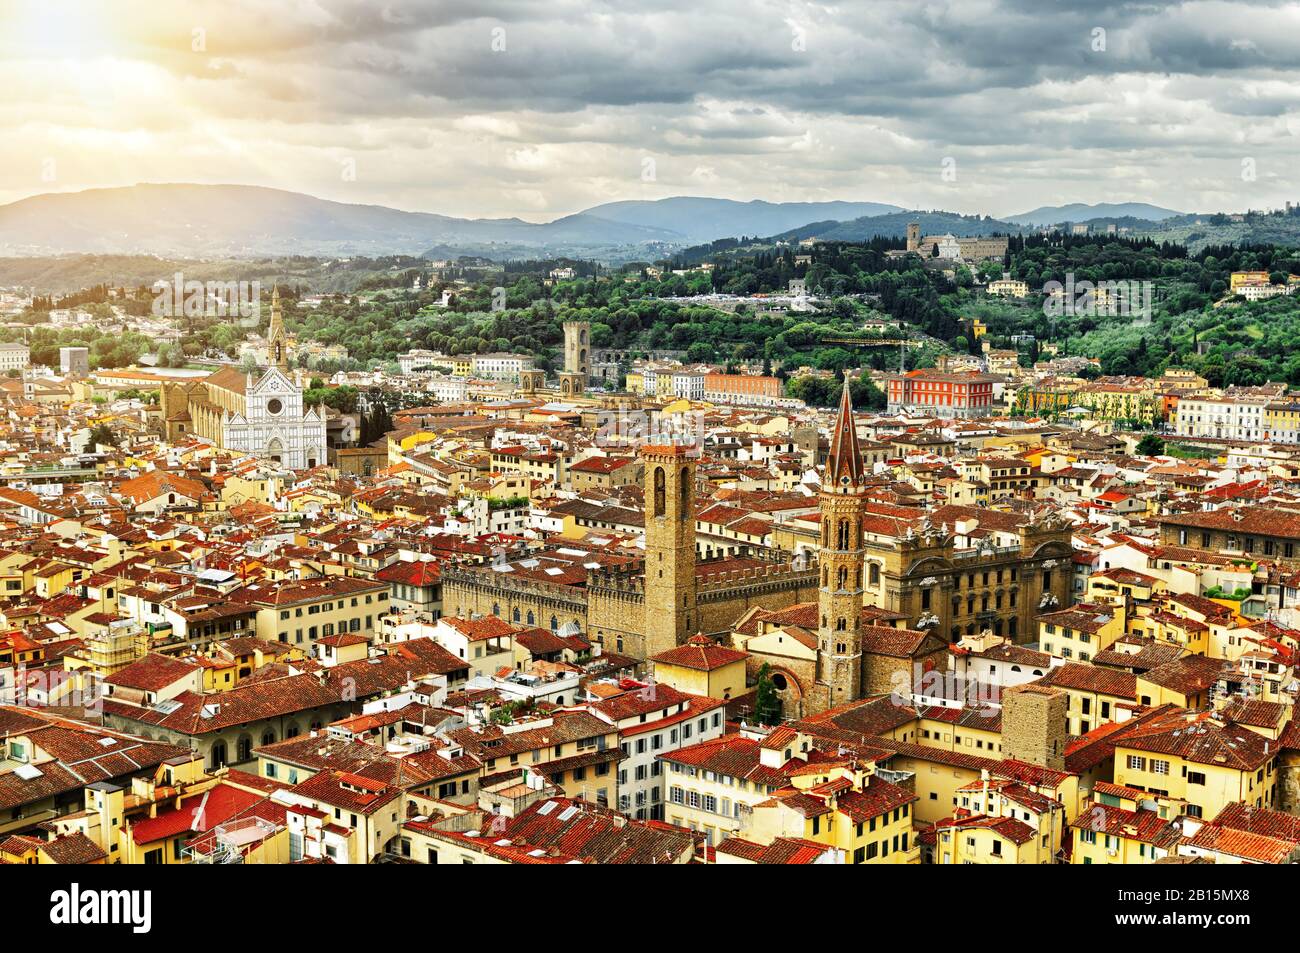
{"type": "Point", "coordinates": [1034, 725]}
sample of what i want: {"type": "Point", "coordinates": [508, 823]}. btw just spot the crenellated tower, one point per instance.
{"type": "Point", "coordinates": [577, 359]}
{"type": "Point", "coordinates": [839, 650]}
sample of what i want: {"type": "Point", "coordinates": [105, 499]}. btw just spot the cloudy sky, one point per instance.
{"type": "Point", "coordinates": [539, 108]}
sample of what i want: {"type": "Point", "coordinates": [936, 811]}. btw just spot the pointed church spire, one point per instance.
{"type": "Point", "coordinates": [845, 459]}
{"type": "Point", "coordinates": [275, 333]}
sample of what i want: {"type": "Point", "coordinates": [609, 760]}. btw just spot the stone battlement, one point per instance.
{"type": "Point", "coordinates": [773, 574]}
{"type": "Point", "coordinates": [485, 578]}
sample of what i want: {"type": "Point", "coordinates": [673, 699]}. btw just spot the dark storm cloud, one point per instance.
{"type": "Point", "coordinates": [539, 106]}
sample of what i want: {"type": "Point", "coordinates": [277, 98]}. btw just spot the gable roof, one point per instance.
{"type": "Point", "coordinates": [700, 653]}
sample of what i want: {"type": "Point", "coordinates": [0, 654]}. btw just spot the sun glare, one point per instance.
{"type": "Point", "coordinates": [58, 29]}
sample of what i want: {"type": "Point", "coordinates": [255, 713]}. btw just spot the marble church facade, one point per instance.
{"type": "Point", "coordinates": [260, 413]}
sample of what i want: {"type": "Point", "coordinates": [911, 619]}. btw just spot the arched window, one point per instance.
{"type": "Point", "coordinates": [243, 748]}
{"type": "Point", "coordinates": [844, 535]}
{"type": "Point", "coordinates": [268, 737]}
{"type": "Point", "coordinates": [659, 492]}
{"type": "Point", "coordinates": [515, 614]}
{"type": "Point", "coordinates": [843, 581]}
{"type": "Point", "coordinates": [218, 755]}
{"type": "Point", "coordinates": [496, 609]}
{"type": "Point", "coordinates": [874, 574]}
{"type": "Point", "coordinates": [555, 624]}
{"type": "Point", "coordinates": [686, 513]}
{"type": "Point", "coordinates": [531, 618]}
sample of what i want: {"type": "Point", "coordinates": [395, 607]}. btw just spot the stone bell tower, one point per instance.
{"type": "Point", "coordinates": [277, 352]}
{"type": "Point", "coordinates": [670, 613]}
{"type": "Point", "coordinates": [839, 601]}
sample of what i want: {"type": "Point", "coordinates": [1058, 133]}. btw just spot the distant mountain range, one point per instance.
{"type": "Point", "coordinates": [249, 220]}
{"type": "Point", "coordinates": [1078, 212]}
{"type": "Point", "coordinates": [240, 220]}
{"type": "Point", "coordinates": [703, 220]}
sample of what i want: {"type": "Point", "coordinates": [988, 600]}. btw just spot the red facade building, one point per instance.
{"type": "Point", "coordinates": [942, 395]}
